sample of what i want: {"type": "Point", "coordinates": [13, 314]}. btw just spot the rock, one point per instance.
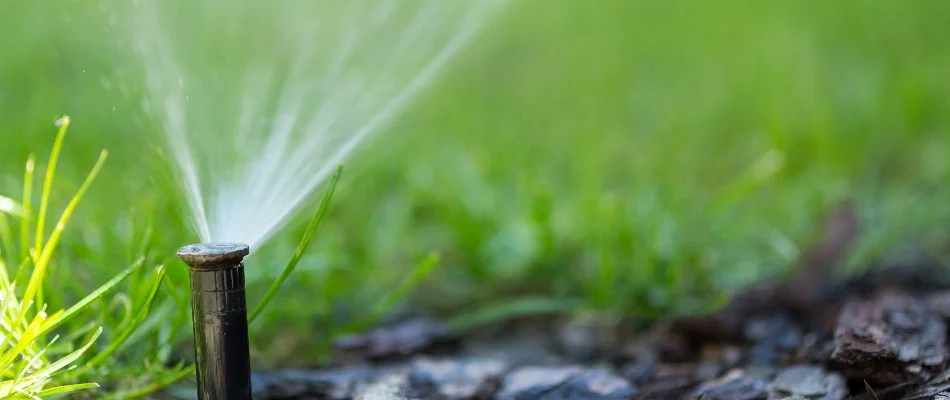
{"type": "Point", "coordinates": [733, 386]}
{"type": "Point", "coordinates": [816, 348]}
{"type": "Point", "coordinates": [939, 302]}
{"type": "Point", "coordinates": [391, 387]}
{"type": "Point", "coordinates": [674, 380]}
{"type": "Point", "coordinates": [534, 382]}
{"type": "Point", "coordinates": [403, 339]}
{"type": "Point", "coordinates": [298, 383]}
{"type": "Point", "coordinates": [564, 383]}
{"type": "Point", "coordinates": [451, 379]}
{"type": "Point", "coordinates": [772, 338]}
{"type": "Point", "coordinates": [594, 384]}
{"type": "Point", "coordinates": [889, 339]}
{"type": "Point", "coordinates": [641, 368]}
{"type": "Point", "coordinates": [807, 382]}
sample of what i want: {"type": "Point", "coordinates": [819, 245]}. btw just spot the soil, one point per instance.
{"type": "Point", "coordinates": [881, 335]}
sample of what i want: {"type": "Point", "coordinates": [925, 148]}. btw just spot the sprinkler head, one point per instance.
{"type": "Point", "coordinates": [213, 255]}
{"type": "Point", "coordinates": [219, 315]}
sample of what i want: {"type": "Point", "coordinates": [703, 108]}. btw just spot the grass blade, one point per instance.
{"type": "Point", "coordinates": [39, 269]}
{"type": "Point", "coordinates": [48, 182]}
{"type": "Point", "coordinates": [419, 273]}
{"type": "Point", "coordinates": [513, 308]}
{"type": "Point", "coordinates": [66, 389]}
{"type": "Point", "coordinates": [58, 318]}
{"type": "Point", "coordinates": [27, 207]}
{"type": "Point", "coordinates": [26, 340]}
{"type": "Point", "coordinates": [154, 387]}
{"type": "Point", "coordinates": [8, 206]}
{"type": "Point", "coordinates": [116, 343]}
{"type": "Point", "coordinates": [70, 358]}
{"type": "Point", "coordinates": [301, 246]}
{"type": "Point", "coordinates": [6, 244]}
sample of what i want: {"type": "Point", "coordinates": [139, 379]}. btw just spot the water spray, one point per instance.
{"type": "Point", "coordinates": [219, 313]}
{"type": "Point", "coordinates": [304, 84]}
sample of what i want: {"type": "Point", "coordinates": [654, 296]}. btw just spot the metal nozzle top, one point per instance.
{"type": "Point", "coordinates": [200, 254]}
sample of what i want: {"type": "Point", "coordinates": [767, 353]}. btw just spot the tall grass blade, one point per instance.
{"type": "Point", "coordinates": [27, 207]}
{"type": "Point", "coordinates": [513, 308]}
{"type": "Point", "coordinates": [301, 246]}
{"type": "Point", "coordinates": [48, 182]}
{"type": "Point", "coordinates": [70, 358]}
{"type": "Point", "coordinates": [39, 269]}
{"type": "Point", "coordinates": [154, 387]}
{"type": "Point", "coordinates": [9, 206]}
{"type": "Point", "coordinates": [419, 273]}
{"type": "Point", "coordinates": [62, 316]}
{"type": "Point", "coordinates": [7, 248]}
{"type": "Point", "coordinates": [116, 343]}
{"type": "Point", "coordinates": [66, 389]}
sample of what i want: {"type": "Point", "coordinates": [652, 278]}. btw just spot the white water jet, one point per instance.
{"type": "Point", "coordinates": [260, 101]}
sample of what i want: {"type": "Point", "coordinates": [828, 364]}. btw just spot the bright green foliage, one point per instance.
{"type": "Point", "coordinates": [42, 347]}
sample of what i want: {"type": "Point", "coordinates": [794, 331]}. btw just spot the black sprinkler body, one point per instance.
{"type": "Point", "coordinates": [219, 312]}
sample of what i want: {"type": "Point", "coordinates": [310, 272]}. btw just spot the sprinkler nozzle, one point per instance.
{"type": "Point", "coordinates": [219, 313]}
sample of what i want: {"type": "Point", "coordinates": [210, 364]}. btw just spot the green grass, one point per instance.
{"type": "Point", "coordinates": [627, 157]}
{"type": "Point", "coordinates": [33, 364]}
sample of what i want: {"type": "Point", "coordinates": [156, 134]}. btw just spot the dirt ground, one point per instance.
{"type": "Point", "coordinates": [880, 335]}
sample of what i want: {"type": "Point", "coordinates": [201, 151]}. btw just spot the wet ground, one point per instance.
{"type": "Point", "coordinates": [880, 335]}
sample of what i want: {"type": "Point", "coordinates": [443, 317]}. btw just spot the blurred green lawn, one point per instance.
{"type": "Point", "coordinates": [635, 157]}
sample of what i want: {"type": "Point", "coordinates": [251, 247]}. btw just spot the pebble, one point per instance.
{"type": "Point", "coordinates": [733, 386]}
{"type": "Point", "coordinates": [555, 383]}
{"type": "Point", "coordinates": [392, 387]}
{"type": "Point", "coordinates": [807, 382]}
{"type": "Point", "coordinates": [296, 383]}
{"type": "Point", "coordinates": [456, 379]}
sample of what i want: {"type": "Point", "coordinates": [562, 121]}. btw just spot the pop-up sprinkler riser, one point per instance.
{"type": "Point", "coordinates": [219, 313]}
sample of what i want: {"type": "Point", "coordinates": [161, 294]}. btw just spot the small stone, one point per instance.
{"type": "Point", "coordinates": [450, 379]}
{"type": "Point", "coordinates": [675, 380]}
{"type": "Point", "coordinates": [594, 384]}
{"type": "Point", "coordinates": [391, 387]}
{"type": "Point", "coordinates": [533, 382]}
{"type": "Point", "coordinates": [733, 386]}
{"type": "Point", "coordinates": [708, 370]}
{"type": "Point", "coordinates": [773, 337]}
{"type": "Point", "coordinates": [939, 302]}
{"type": "Point", "coordinates": [564, 383]}
{"type": "Point", "coordinates": [807, 382]}
{"type": "Point", "coordinates": [640, 370]}
{"type": "Point", "coordinates": [296, 383]}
